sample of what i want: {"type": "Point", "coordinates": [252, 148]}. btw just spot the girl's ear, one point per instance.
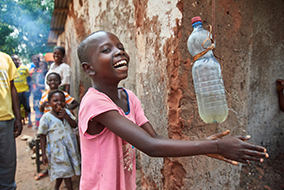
{"type": "Point", "coordinates": [88, 68]}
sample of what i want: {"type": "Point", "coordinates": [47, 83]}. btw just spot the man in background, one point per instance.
{"type": "Point", "coordinates": [22, 86]}
{"type": "Point", "coordinates": [10, 122]}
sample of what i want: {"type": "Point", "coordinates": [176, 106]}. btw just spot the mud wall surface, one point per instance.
{"type": "Point", "coordinates": [249, 36]}
{"type": "Point", "coordinates": [266, 65]}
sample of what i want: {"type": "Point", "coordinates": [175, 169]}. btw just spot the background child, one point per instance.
{"type": "Point", "coordinates": [112, 121]}
{"type": "Point", "coordinates": [63, 69]}
{"type": "Point", "coordinates": [36, 90]}
{"type": "Point", "coordinates": [53, 81]}
{"type": "Point", "coordinates": [63, 159]}
{"type": "Point", "coordinates": [40, 77]}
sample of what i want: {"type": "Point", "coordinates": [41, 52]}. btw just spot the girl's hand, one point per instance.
{"type": "Point", "coordinates": [62, 113]}
{"type": "Point", "coordinates": [218, 156]}
{"type": "Point", "coordinates": [44, 160]}
{"type": "Point", "coordinates": [236, 149]}
{"type": "Point", "coordinates": [220, 136]}
{"type": "Point", "coordinates": [44, 104]}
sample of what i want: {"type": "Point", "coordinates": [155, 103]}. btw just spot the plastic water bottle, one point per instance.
{"type": "Point", "coordinates": [207, 78]}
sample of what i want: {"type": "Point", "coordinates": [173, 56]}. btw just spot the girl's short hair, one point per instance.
{"type": "Point", "coordinates": [60, 48]}
{"type": "Point", "coordinates": [54, 73]}
{"type": "Point", "coordinates": [50, 94]}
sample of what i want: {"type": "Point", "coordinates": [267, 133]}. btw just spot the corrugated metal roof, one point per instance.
{"type": "Point", "coordinates": [58, 20]}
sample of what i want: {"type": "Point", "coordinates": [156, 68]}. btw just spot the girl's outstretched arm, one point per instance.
{"type": "Point", "coordinates": [230, 147]}
{"type": "Point", "coordinates": [150, 130]}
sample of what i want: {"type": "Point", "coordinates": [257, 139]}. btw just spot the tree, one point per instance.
{"type": "Point", "coordinates": [24, 26]}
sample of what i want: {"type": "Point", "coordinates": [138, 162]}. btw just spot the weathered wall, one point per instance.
{"type": "Point", "coordinates": [249, 36]}
{"type": "Point", "coordinates": [266, 63]}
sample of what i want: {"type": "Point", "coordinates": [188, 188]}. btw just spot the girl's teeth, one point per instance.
{"type": "Point", "coordinates": [120, 63]}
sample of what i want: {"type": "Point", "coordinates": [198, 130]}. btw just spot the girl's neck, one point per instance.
{"type": "Point", "coordinates": [58, 63]}
{"type": "Point", "coordinates": [111, 92]}
{"type": "Point", "coordinates": [118, 96]}
{"type": "Point", "coordinates": [53, 88]}
{"type": "Point", "coordinates": [55, 114]}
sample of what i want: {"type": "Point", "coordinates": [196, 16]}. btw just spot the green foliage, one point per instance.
{"type": "Point", "coordinates": [24, 26]}
{"type": "Point", "coordinates": [5, 38]}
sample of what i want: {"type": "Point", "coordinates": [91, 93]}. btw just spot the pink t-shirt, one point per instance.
{"type": "Point", "coordinates": [108, 162]}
